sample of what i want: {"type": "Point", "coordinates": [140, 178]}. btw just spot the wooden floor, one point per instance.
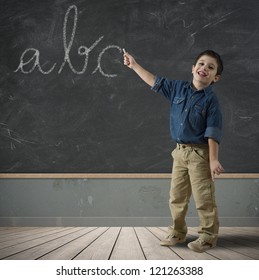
{"type": "Point", "coordinates": [120, 243]}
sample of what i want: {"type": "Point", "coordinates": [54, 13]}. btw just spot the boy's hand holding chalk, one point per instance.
{"type": "Point", "coordinates": [145, 75]}
{"type": "Point", "coordinates": [128, 59]}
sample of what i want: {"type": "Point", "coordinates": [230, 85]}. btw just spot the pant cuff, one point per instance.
{"type": "Point", "coordinates": [211, 239]}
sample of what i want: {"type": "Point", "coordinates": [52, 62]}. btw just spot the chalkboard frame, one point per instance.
{"type": "Point", "coordinates": [114, 176]}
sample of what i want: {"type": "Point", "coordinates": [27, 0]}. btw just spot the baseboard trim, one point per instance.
{"type": "Point", "coordinates": [118, 221]}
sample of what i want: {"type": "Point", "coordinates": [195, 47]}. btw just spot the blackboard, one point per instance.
{"type": "Point", "coordinates": [69, 105]}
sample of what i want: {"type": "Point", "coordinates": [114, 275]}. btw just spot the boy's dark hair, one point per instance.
{"type": "Point", "coordinates": [214, 55]}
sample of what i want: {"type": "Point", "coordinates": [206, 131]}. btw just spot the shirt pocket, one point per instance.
{"type": "Point", "coordinates": [178, 100]}
{"type": "Point", "coordinates": [200, 110]}
{"type": "Point", "coordinates": [176, 109]}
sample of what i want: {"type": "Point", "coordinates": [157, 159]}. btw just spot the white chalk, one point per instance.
{"type": "Point", "coordinates": [124, 50]}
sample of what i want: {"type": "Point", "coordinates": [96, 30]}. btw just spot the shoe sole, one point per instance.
{"type": "Point", "coordinates": [164, 243]}
{"type": "Point", "coordinates": [193, 248]}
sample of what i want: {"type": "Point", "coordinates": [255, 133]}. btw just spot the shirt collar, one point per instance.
{"type": "Point", "coordinates": [207, 90]}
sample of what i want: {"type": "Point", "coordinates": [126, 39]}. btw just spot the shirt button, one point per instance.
{"type": "Point", "coordinates": [186, 110]}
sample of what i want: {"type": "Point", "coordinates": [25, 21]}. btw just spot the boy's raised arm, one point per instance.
{"type": "Point", "coordinates": [145, 75]}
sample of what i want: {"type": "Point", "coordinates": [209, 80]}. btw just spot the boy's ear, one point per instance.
{"type": "Point", "coordinates": [217, 78]}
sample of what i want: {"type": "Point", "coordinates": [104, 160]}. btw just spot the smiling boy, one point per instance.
{"type": "Point", "coordinates": [195, 124]}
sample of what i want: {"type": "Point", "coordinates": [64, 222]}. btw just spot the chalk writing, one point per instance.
{"type": "Point", "coordinates": [13, 136]}
{"type": "Point", "coordinates": [100, 58]}
{"type": "Point", "coordinates": [30, 58]}
{"type": "Point", "coordinates": [36, 58]}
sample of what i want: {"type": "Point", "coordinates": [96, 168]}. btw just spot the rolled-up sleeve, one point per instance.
{"type": "Point", "coordinates": [214, 122]}
{"type": "Point", "coordinates": [163, 86]}
{"type": "Point", "coordinates": [156, 85]}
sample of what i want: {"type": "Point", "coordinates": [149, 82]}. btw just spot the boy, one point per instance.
{"type": "Point", "coordinates": [195, 124]}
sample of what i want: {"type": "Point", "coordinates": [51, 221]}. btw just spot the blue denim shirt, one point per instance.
{"type": "Point", "coordinates": [195, 116]}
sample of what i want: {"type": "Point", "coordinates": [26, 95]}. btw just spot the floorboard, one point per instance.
{"type": "Point", "coordinates": [76, 246]}
{"type": "Point", "coordinates": [127, 246]}
{"type": "Point", "coordinates": [151, 247]}
{"type": "Point", "coordinates": [102, 247]}
{"type": "Point", "coordinates": [120, 243]}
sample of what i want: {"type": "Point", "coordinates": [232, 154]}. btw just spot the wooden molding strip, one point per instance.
{"type": "Point", "coordinates": [114, 176]}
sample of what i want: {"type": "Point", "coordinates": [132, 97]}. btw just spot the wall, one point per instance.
{"type": "Point", "coordinates": [116, 202]}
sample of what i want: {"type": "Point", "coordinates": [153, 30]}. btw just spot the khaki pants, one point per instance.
{"type": "Point", "coordinates": [191, 175]}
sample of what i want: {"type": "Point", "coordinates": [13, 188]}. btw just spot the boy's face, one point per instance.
{"type": "Point", "coordinates": [205, 72]}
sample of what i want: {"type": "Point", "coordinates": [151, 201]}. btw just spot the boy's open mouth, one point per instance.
{"type": "Point", "coordinates": [202, 74]}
